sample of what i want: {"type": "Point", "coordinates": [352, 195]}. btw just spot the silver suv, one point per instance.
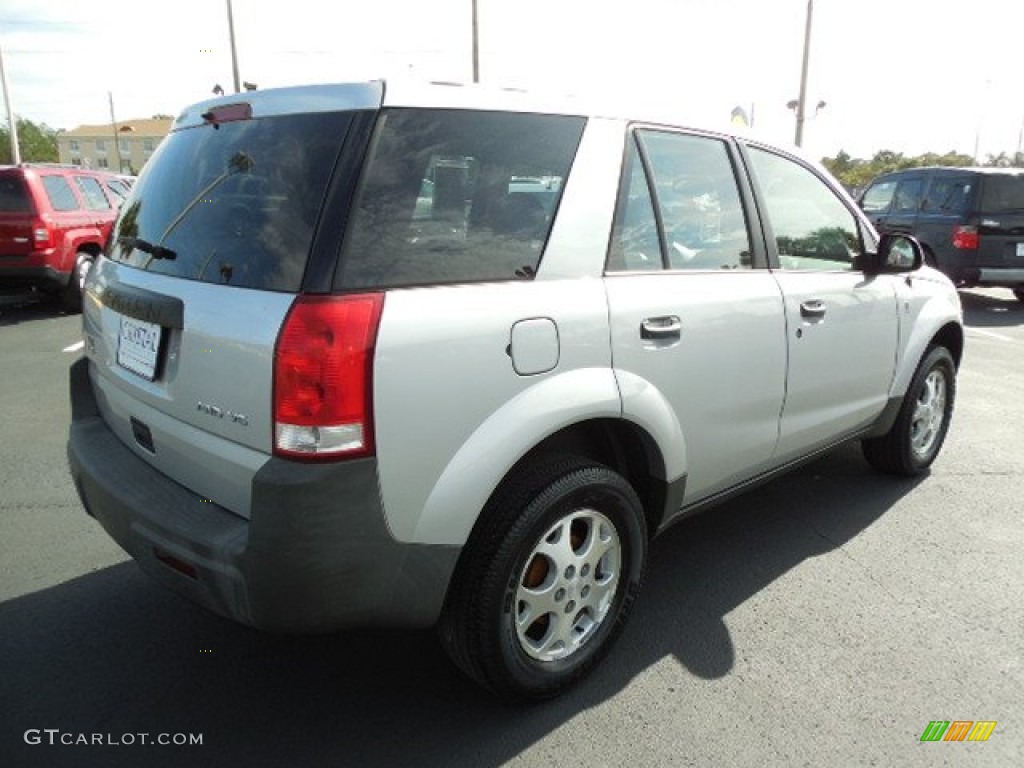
{"type": "Point", "coordinates": [364, 355]}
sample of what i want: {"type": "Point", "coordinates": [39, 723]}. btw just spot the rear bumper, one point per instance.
{"type": "Point", "coordinates": [1000, 277]}
{"type": "Point", "coordinates": [32, 276]}
{"type": "Point", "coordinates": [315, 555]}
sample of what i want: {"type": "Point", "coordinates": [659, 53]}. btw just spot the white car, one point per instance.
{"type": "Point", "coordinates": [319, 392]}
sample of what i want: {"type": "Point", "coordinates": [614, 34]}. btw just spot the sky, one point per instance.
{"type": "Point", "coordinates": [910, 76]}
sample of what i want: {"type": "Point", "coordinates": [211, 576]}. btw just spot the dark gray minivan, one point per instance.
{"type": "Point", "coordinates": [969, 220]}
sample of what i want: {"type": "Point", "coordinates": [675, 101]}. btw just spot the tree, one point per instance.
{"type": "Point", "coordinates": [855, 173]}
{"type": "Point", "coordinates": [38, 143]}
{"type": "Point", "coordinates": [1003, 160]}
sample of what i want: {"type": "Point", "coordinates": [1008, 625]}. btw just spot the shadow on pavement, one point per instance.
{"type": "Point", "coordinates": [15, 309]}
{"type": "Point", "coordinates": [112, 652]}
{"type": "Point", "coordinates": [986, 310]}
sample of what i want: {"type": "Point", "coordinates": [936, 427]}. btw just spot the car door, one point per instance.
{"type": "Point", "coordinates": [696, 319]}
{"type": "Point", "coordinates": [842, 327]}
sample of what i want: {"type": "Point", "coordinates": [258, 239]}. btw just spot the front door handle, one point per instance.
{"type": "Point", "coordinates": [659, 328]}
{"type": "Point", "coordinates": [812, 309]}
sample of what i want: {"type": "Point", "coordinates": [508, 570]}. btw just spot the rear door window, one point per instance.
{"type": "Point", "coordinates": [451, 196]}
{"type": "Point", "coordinates": [95, 200]}
{"type": "Point", "coordinates": [59, 192]}
{"type": "Point", "coordinates": [234, 203]}
{"type": "Point", "coordinates": [908, 196]}
{"type": "Point", "coordinates": [698, 206]}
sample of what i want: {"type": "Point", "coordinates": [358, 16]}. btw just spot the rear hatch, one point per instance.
{"type": "Point", "coordinates": [17, 216]}
{"type": "Point", "coordinates": [223, 229]}
{"type": "Point", "coordinates": [1000, 221]}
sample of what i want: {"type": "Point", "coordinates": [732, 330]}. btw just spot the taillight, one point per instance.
{"type": "Point", "coordinates": [323, 377]}
{"type": "Point", "coordinates": [42, 235]}
{"type": "Point", "coordinates": [965, 238]}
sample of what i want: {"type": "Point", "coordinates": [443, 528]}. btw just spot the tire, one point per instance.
{"type": "Point", "coordinates": [561, 537]}
{"type": "Point", "coordinates": [916, 437]}
{"type": "Point", "coordinates": [1019, 293]}
{"type": "Point", "coordinates": [71, 297]}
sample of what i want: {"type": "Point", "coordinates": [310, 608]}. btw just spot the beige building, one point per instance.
{"type": "Point", "coordinates": [93, 146]}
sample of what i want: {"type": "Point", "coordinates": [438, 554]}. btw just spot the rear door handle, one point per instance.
{"type": "Point", "coordinates": [813, 308]}
{"type": "Point", "coordinates": [658, 328]}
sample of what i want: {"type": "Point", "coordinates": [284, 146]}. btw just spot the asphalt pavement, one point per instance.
{"type": "Point", "coordinates": [824, 619]}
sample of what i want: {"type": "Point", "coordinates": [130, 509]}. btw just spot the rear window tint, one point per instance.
{"type": "Point", "coordinates": [14, 196]}
{"type": "Point", "coordinates": [60, 194]}
{"type": "Point", "coordinates": [1002, 193]}
{"type": "Point", "coordinates": [453, 196]}
{"type": "Point", "coordinates": [235, 203]}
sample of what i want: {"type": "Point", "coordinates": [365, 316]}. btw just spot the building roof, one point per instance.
{"type": "Point", "coordinates": [142, 127]}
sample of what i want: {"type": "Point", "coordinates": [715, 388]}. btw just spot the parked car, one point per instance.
{"type": "Point", "coordinates": [318, 392]}
{"type": "Point", "coordinates": [969, 220]}
{"type": "Point", "coordinates": [54, 221]}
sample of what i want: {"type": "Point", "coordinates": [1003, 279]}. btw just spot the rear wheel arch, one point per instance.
{"type": "Point", "coordinates": [620, 445]}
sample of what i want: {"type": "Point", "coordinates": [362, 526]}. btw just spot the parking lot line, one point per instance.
{"type": "Point", "coordinates": [989, 334]}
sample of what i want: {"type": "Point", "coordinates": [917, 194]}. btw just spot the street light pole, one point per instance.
{"type": "Point", "coordinates": [801, 104]}
{"type": "Point", "coordinates": [11, 121]}
{"type": "Point", "coordinates": [234, 52]}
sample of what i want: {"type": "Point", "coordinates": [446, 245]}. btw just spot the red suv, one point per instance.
{"type": "Point", "coordinates": [54, 221]}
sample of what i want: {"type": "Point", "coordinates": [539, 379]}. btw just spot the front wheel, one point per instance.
{"type": "Point", "coordinates": [916, 437]}
{"type": "Point", "coordinates": [548, 578]}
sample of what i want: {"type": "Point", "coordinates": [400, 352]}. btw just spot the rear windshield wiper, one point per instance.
{"type": "Point", "coordinates": [156, 251]}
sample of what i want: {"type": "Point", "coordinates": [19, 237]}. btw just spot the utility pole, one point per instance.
{"type": "Point", "coordinates": [801, 104]}
{"type": "Point", "coordinates": [476, 45]}
{"type": "Point", "coordinates": [11, 121]}
{"type": "Point", "coordinates": [234, 52]}
{"type": "Point", "coordinates": [113, 126]}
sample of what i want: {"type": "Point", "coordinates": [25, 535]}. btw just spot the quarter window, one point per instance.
{"type": "Point", "coordinates": [452, 196]}
{"type": "Point", "coordinates": [947, 195]}
{"type": "Point", "coordinates": [813, 229]}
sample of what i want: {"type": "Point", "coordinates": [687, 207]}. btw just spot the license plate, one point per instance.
{"type": "Point", "coordinates": [138, 346]}
{"type": "Point", "coordinates": [1020, 249]}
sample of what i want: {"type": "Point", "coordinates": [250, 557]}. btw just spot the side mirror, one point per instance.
{"type": "Point", "coordinates": [895, 254]}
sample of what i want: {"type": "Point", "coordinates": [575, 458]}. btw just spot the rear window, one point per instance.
{"type": "Point", "coordinates": [452, 196]}
{"type": "Point", "coordinates": [1002, 193]}
{"type": "Point", "coordinates": [235, 203]}
{"type": "Point", "coordinates": [14, 196]}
